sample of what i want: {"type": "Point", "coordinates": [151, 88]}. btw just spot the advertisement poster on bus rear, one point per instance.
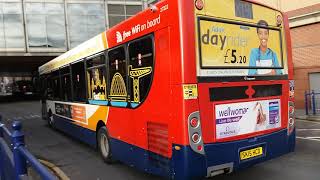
{"type": "Point", "coordinates": [239, 49]}
{"type": "Point", "coordinates": [247, 117]}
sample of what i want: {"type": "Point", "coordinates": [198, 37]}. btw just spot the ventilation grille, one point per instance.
{"type": "Point", "coordinates": [158, 146]}
{"type": "Point", "coordinates": [158, 138]}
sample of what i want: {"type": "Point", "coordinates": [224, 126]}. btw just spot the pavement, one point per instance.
{"type": "Point", "coordinates": [301, 114]}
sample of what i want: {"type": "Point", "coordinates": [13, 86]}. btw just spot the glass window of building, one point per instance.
{"type": "Point", "coordinates": [118, 11]}
{"type": "Point", "coordinates": [45, 25]}
{"type": "Point", "coordinates": [11, 26]}
{"type": "Point", "coordinates": [85, 20]}
{"type": "Point", "coordinates": [152, 1]}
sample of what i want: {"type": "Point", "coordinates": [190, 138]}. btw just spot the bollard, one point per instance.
{"type": "Point", "coordinates": [313, 103]}
{"type": "Point", "coordinates": [18, 140]}
{"type": "Point", "coordinates": [306, 102]}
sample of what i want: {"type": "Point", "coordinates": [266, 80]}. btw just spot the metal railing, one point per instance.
{"type": "Point", "coordinates": [312, 102]}
{"type": "Point", "coordinates": [15, 158]}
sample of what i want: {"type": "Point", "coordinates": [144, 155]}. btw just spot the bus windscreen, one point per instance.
{"type": "Point", "coordinates": [232, 48]}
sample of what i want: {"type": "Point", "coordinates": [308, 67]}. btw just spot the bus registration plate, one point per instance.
{"type": "Point", "coordinates": [258, 151]}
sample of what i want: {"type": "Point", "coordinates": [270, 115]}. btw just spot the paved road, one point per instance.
{"type": "Point", "coordinates": [81, 162]}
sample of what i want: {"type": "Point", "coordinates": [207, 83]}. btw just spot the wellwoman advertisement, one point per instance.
{"type": "Point", "coordinates": [247, 117]}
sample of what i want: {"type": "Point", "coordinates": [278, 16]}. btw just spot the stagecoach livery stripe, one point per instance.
{"type": "Point", "coordinates": [100, 114]}
{"type": "Point", "coordinates": [90, 47]}
{"type": "Point", "coordinates": [91, 115]}
{"type": "Point", "coordinates": [104, 40]}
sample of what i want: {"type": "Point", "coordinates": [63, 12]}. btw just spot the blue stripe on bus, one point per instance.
{"type": "Point", "coordinates": [188, 164]}
{"type": "Point", "coordinates": [83, 134]}
{"type": "Point", "coordinates": [133, 105]}
{"type": "Point", "coordinates": [185, 163]}
{"type": "Point", "coordinates": [119, 104]}
{"type": "Point", "coordinates": [98, 102]}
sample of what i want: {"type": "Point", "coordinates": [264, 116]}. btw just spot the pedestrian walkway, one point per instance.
{"type": "Point", "coordinates": [301, 114]}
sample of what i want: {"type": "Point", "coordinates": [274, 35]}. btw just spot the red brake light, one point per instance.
{"type": "Point", "coordinates": [199, 4]}
{"type": "Point", "coordinates": [291, 109]}
{"type": "Point", "coordinates": [194, 122]}
{"type": "Point", "coordinates": [199, 148]}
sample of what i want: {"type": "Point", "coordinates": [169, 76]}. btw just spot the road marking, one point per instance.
{"type": "Point", "coordinates": [313, 137]}
{"type": "Point", "coordinates": [308, 129]}
{"type": "Point", "coordinates": [27, 117]}
{"type": "Point", "coordinates": [298, 137]}
{"type": "Point", "coordinates": [308, 121]}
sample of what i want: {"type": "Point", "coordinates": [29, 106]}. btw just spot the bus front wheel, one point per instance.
{"type": "Point", "coordinates": [104, 145]}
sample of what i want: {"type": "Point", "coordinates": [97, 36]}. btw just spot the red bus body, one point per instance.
{"type": "Point", "coordinates": [175, 65]}
{"type": "Point", "coordinates": [155, 137]}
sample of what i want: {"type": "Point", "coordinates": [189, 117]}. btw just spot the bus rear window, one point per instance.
{"type": "Point", "coordinates": [243, 9]}
{"type": "Point", "coordinates": [231, 48]}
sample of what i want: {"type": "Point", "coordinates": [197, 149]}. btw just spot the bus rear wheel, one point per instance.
{"type": "Point", "coordinates": [104, 145]}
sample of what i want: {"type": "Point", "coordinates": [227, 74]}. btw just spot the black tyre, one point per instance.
{"type": "Point", "coordinates": [104, 145]}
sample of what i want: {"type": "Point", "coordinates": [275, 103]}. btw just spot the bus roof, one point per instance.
{"type": "Point", "coordinates": [87, 48]}
{"type": "Point", "coordinates": [90, 47]}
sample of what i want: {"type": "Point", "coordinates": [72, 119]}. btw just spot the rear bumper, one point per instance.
{"type": "Point", "coordinates": [224, 157]}
{"type": "Point", "coordinates": [274, 145]}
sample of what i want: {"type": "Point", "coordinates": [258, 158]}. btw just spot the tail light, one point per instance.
{"type": "Point", "coordinates": [199, 4]}
{"type": "Point", "coordinates": [291, 122]}
{"type": "Point", "coordinates": [195, 135]}
{"type": "Point", "coordinates": [291, 113]}
{"type": "Point", "coordinates": [194, 122]}
{"type": "Point", "coordinates": [195, 138]}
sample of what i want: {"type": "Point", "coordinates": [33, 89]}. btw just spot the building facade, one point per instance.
{"type": "Point", "coordinates": [305, 27]}
{"type": "Point", "coordinates": [304, 18]}
{"type": "Point", "coordinates": [58, 25]}
{"type": "Point", "coordinates": [33, 32]}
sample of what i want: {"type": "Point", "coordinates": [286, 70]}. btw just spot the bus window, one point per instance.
{"type": "Point", "coordinates": [66, 84]}
{"type": "Point", "coordinates": [55, 83]}
{"type": "Point", "coordinates": [140, 69]}
{"type": "Point", "coordinates": [118, 77]}
{"type": "Point", "coordinates": [49, 86]}
{"type": "Point", "coordinates": [97, 86]}
{"type": "Point", "coordinates": [78, 80]}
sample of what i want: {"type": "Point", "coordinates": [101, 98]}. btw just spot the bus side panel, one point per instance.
{"type": "Point", "coordinates": [155, 110]}
{"type": "Point", "coordinates": [83, 134]}
{"type": "Point", "coordinates": [140, 158]}
{"type": "Point", "coordinates": [131, 139]}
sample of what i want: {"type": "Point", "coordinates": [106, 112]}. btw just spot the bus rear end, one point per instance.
{"type": "Point", "coordinates": [245, 86]}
